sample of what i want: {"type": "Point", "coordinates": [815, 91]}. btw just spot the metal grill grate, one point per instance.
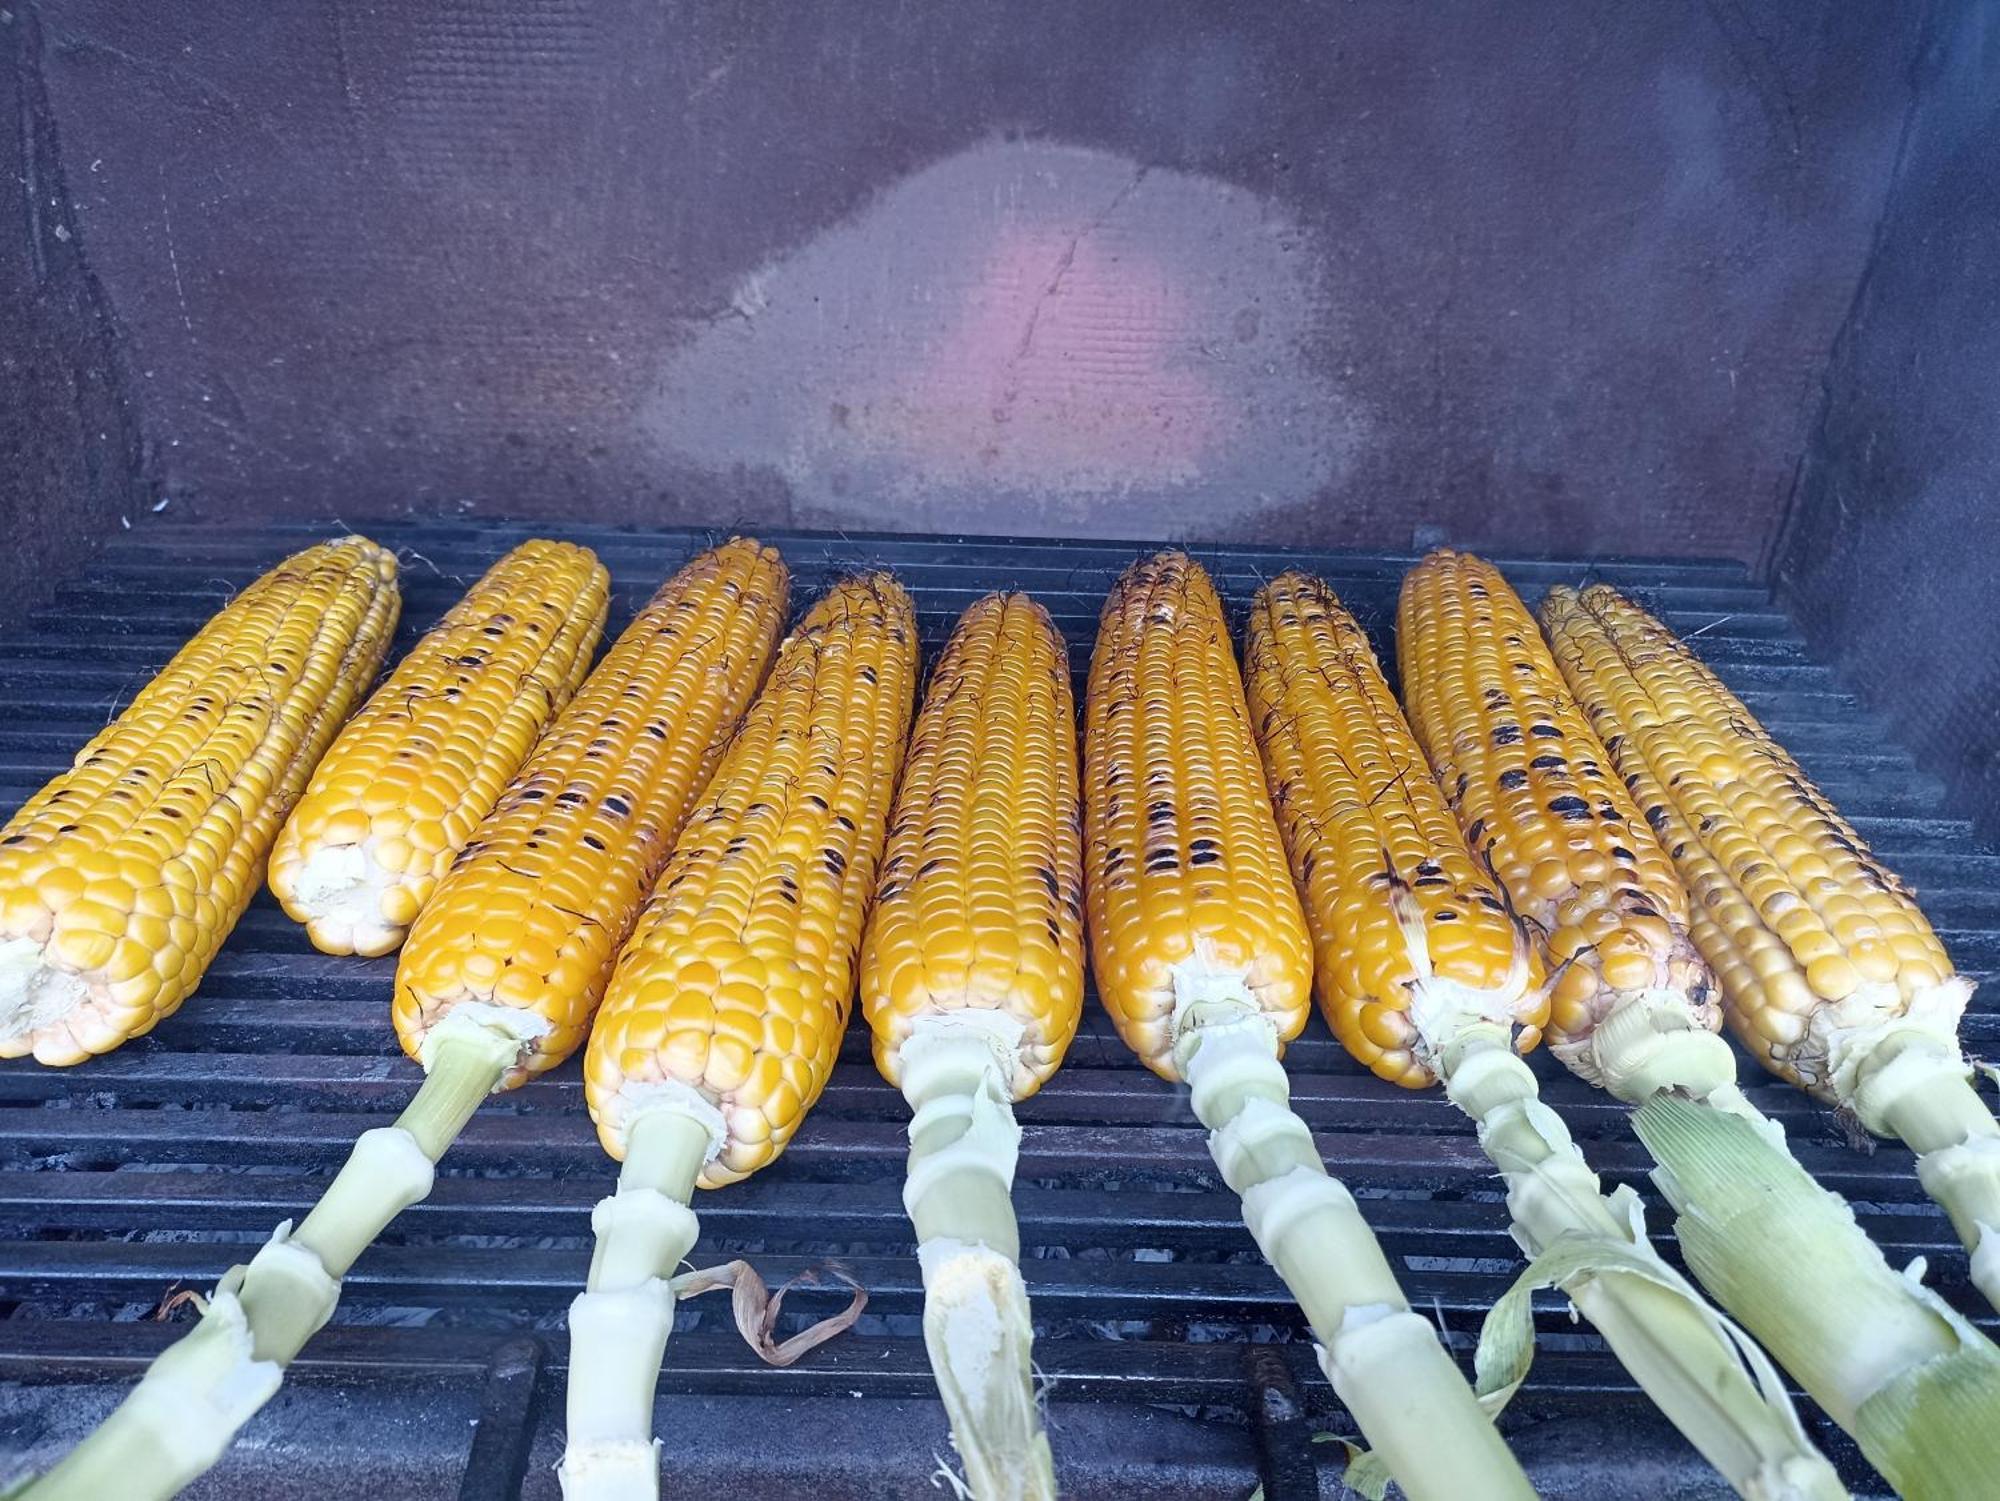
{"type": "Point", "coordinates": [156, 1167]}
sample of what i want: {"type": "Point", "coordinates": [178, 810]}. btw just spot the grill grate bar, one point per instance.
{"type": "Point", "coordinates": [160, 1165]}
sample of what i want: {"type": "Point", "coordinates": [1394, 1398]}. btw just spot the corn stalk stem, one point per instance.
{"type": "Point", "coordinates": [619, 1324]}
{"type": "Point", "coordinates": [193, 1399]}
{"type": "Point", "coordinates": [1385, 1361]}
{"type": "Point", "coordinates": [1908, 1376]}
{"type": "Point", "coordinates": [1929, 1102]}
{"type": "Point", "coordinates": [1888, 1360]}
{"type": "Point", "coordinates": [977, 1326]}
{"type": "Point", "coordinates": [1662, 1332]}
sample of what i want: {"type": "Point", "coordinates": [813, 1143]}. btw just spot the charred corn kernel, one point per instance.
{"type": "Point", "coordinates": [397, 796]}
{"type": "Point", "coordinates": [1526, 777]}
{"type": "Point", "coordinates": [980, 904]}
{"type": "Point", "coordinates": [738, 977]}
{"type": "Point", "coordinates": [1808, 932]}
{"type": "Point", "coordinates": [120, 879]}
{"type": "Point", "coordinates": [1412, 937]}
{"type": "Point", "coordinates": [1186, 873]}
{"type": "Point", "coordinates": [532, 911]}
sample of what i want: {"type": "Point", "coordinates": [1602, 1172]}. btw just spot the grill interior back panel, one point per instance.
{"type": "Point", "coordinates": [1176, 1365]}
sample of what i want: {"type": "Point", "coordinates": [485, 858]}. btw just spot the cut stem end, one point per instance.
{"type": "Point", "coordinates": [980, 1338]}
{"type": "Point", "coordinates": [619, 1324]}
{"type": "Point", "coordinates": [978, 1329]}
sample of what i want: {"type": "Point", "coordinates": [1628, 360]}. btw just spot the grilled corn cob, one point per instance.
{"type": "Point", "coordinates": [1422, 972]}
{"type": "Point", "coordinates": [400, 791]}
{"type": "Point", "coordinates": [726, 1009]}
{"type": "Point", "coordinates": [499, 977]}
{"type": "Point", "coordinates": [972, 978]}
{"type": "Point", "coordinates": [1830, 973]}
{"type": "Point", "coordinates": [525, 928]}
{"type": "Point", "coordinates": [120, 879]}
{"type": "Point", "coordinates": [1527, 780]}
{"type": "Point", "coordinates": [1409, 933]}
{"type": "Point", "coordinates": [1634, 1010]}
{"type": "Point", "coordinates": [1201, 955]}
{"type": "Point", "coordinates": [1187, 867]}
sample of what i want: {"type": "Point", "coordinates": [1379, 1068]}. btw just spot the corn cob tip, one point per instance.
{"type": "Point", "coordinates": [51, 1011]}
{"type": "Point", "coordinates": [341, 893]}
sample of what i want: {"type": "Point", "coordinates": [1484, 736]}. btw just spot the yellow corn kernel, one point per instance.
{"type": "Point", "coordinates": [425, 759]}
{"type": "Point", "coordinates": [1414, 941]}
{"type": "Point", "coordinates": [1527, 779]}
{"type": "Point", "coordinates": [1186, 877]}
{"type": "Point", "coordinates": [980, 904]}
{"type": "Point", "coordinates": [739, 975]}
{"type": "Point", "coordinates": [1808, 932]}
{"type": "Point", "coordinates": [531, 913]}
{"type": "Point", "coordinates": [158, 833]}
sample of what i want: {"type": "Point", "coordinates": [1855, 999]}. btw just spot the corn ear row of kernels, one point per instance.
{"type": "Point", "coordinates": [1804, 927]}
{"type": "Point", "coordinates": [980, 902]}
{"type": "Point", "coordinates": [426, 757]}
{"type": "Point", "coordinates": [120, 879]}
{"type": "Point", "coordinates": [738, 978]}
{"type": "Point", "coordinates": [1529, 783]}
{"type": "Point", "coordinates": [1410, 931]}
{"type": "Point", "coordinates": [533, 910]}
{"type": "Point", "coordinates": [1183, 861]}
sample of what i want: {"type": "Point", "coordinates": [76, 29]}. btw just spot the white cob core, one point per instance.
{"type": "Point", "coordinates": [1878, 1051]}
{"type": "Point", "coordinates": [33, 993]}
{"type": "Point", "coordinates": [337, 894]}
{"type": "Point", "coordinates": [1649, 1042]}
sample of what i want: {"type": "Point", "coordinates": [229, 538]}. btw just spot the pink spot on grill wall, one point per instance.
{"type": "Point", "coordinates": [1063, 367]}
{"type": "Point", "coordinates": [1025, 326]}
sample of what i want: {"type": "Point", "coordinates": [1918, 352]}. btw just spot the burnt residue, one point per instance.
{"type": "Point", "coordinates": [72, 462]}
